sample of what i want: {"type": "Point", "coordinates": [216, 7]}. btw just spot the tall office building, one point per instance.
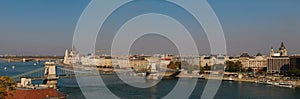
{"type": "Point", "coordinates": [278, 61]}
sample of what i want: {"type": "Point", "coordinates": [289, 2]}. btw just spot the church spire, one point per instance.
{"type": "Point", "coordinates": [271, 52]}
{"type": "Point", "coordinates": [73, 48]}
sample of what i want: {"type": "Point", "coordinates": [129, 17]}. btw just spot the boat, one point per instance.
{"type": "Point", "coordinates": [259, 82]}
{"type": "Point", "coordinates": [5, 68]}
{"type": "Point", "coordinates": [228, 79]}
{"type": "Point", "coordinates": [34, 64]}
{"type": "Point", "coordinates": [285, 84]}
{"type": "Point", "coordinates": [267, 83]}
{"type": "Point", "coordinates": [13, 67]}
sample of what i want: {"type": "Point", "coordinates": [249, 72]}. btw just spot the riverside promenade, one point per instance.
{"type": "Point", "coordinates": [273, 80]}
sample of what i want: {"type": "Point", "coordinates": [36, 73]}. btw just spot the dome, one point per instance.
{"type": "Point", "coordinates": [282, 47]}
{"type": "Point", "coordinates": [258, 54]}
{"type": "Point", "coordinates": [245, 55]}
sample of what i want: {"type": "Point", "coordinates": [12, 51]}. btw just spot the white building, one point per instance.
{"type": "Point", "coordinates": [212, 60]}
{"type": "Point", "coordinates": [73, 57]}
{"type": "Point", "coordinates": [256, 62]}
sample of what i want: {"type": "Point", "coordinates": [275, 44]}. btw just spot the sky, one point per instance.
{"type": "Point", "coordinates": [46, 27]}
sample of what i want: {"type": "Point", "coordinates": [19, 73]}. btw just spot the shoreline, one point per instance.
{"type": "Point", "coordinates": [206, 77]}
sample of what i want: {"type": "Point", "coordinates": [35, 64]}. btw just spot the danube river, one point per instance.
{"type": "Point", "coordinates": [227, 90]}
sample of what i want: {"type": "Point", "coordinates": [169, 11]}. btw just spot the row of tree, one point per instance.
{"type": "Point", "coordinates": [293, 72]}
{"type": "Point", "coordinates": [234, 66]}
{"type": "Point", "coordinates": [230, 66]}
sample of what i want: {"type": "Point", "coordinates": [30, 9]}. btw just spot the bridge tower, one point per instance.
{"type": "Point", "coordinates": [50, 75]}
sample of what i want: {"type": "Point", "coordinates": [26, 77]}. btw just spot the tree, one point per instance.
{"type": "Point", "coordinates": [206, 67]}
{"type": "Point", "coordinates": [178, 64]}
{"type": "Point", "coordinates": [239, 66]}
{"type": "Point", "coordinates": [172, 65]}
{"type": "Point", "coordinates": [249, 70]}
{"type": "Point", "coordinates": [294, 72]}
{"type": "Point", "coordinates": [201, 70]}
{"type": "Point", "coordinates": [265, 69]}
{"type": "Point", "coordinates": [7, 86]}
{"type": "Point", "coordinates": [233, 66]}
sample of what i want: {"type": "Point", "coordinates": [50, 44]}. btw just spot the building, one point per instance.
{"type": "Point", "coordinates": [281, 51]}
{"type": "Point", "coordinates": [277, 64]}
{"type": "Point", "coordinates": [73, 57]}
{"type": "Point", "coordinates": [90, 60]}
{"type": "Point", "coordinates": [278, 61]}
{"type": "Point", "coordinates": [257, 62]}
{"type": "Point", "coordinates": [212, 60]}
{"type": "Point", "coordinates": [295, 62]}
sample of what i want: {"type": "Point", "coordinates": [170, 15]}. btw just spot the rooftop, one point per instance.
{"type": "Point", "coordinates": [37, 94]}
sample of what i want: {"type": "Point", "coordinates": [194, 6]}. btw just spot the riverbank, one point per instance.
{"type": "Point", "coordinates": [224, 78]}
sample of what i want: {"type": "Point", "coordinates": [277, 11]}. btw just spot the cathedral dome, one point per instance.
{"type": "Point", "coordinates": [258, 54]}
{"type": "Point", "coordinates": [282, 47]}
{"type": "Point", "coordinates": [245, 55]}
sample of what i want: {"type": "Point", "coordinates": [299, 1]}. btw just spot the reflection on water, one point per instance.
{"type": "Point", "coordinates": [153, 92]}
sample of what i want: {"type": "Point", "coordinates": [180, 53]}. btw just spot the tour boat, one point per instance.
{"type": "Point", "coordinates": [286, 84]}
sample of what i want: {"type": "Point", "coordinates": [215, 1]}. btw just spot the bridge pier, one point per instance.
{"type": "Point", "coordinates": [50, 75]}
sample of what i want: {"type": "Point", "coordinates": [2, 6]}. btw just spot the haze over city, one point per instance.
{"type": "Point", "coordinates": [34, 27]}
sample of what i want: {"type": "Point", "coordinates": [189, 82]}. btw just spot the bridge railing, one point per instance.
{"type": "Point", "coordinates": [37, 73]}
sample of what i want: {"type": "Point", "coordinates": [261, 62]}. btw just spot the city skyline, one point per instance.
{"type": "Point", "coordinates": [46, 27]}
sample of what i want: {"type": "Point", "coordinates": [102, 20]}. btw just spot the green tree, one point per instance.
{"type": "Point", "coordinates": [249, 70]}
{"type": "Point", "coordinates": [7, 86]}
{"type": "Point", "coordinates": [206, 67]}
{"type": "Point", "coordinates": [233, 66]}
{"type": "Point", "coordinates": [294, 71]}
{"type": "Point", "coordinates": [201, 70]}
{"type": "Point", "coordinates": [263, 70]}
{"type": "Point", "coordinates": [238, 66]}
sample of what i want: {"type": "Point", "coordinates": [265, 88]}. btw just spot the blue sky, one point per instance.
{"type": "Point", "coordinates": [45, 27]}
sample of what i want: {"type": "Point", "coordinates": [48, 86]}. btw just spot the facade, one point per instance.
{"type": "Point", "coordinates": [277, 64]}
{"type": "Point", "coordinates": [256, 62]}
{"type": "Point", "coordinates": [72, 58]}
{"type": "Point", "coordinates": [295, 62]}
{"type": "Point", "coordinates": [278, 61]}
{"type": "Point", "coordinates": [212, 60]}
{"type": "Point", "coordinates": [90, 60]}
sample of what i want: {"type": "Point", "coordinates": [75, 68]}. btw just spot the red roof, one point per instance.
{"type": "Point", "coordinates": [37, 94]}
{"type": "Point", "coordinates": [166, 59]}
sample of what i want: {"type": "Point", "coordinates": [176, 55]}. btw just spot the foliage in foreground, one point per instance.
{"type": "Point", "coordinates": [7, 86]}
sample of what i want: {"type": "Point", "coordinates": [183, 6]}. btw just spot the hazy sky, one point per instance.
{"type": "Point", "coordinates": [46, 27]}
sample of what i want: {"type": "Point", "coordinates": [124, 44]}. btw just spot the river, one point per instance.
{"type": "Point", "coordinates": [227, 90]}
